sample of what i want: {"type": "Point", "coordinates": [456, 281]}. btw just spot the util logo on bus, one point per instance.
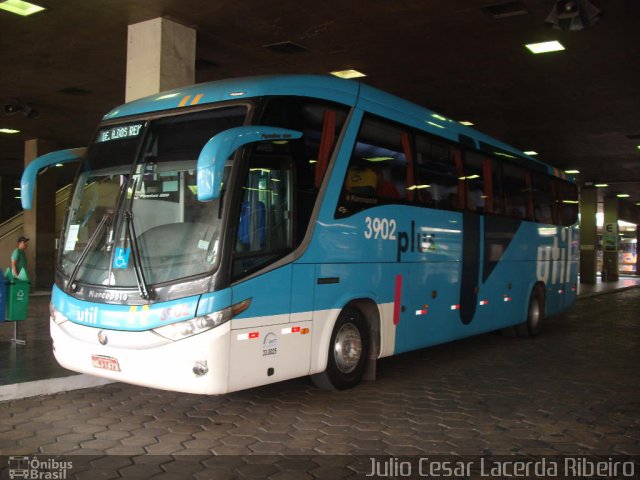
{"type": "Point", "coordinates": [88, 315]}
{"type": "Point", "coordinates": [554, 262]}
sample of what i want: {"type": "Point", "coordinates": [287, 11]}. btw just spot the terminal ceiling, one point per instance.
{"type": "Point", "coordinates": [579, 108]}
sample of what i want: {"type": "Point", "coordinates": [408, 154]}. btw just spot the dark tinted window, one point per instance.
{"type": "Point", "coordinates": [516, 190]}
{"type": "Point", "coordinates": [474, 182]}
{"type": "Point", "coordinates": [378, 173]}
{"type": "Point", "coordinates": [437, 174]}
{"type": "Point", "coordinates": [542, 198]}
{"type": "Point", "coordinates": [568, 202]}
{"type": "Point", "coordinates": [321, 124]}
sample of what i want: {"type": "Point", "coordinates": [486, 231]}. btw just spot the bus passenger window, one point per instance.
{"type": "Point", "coordinates": [321, 123]}
{"type": "Point", "coordinates": [516, 190]}
{"type": "Point", "coordinates": [264, 231]}
{"type": "Point", "coordinates": [569, 203]}
{"type": "Point", "coordinates": [377, 172]}
{"type": "Point", "coordinates": [436, 176]}
{"type": "Point", "coordinates": [542, 198]}
{"type": "Point", "coordinates": [474, 182]}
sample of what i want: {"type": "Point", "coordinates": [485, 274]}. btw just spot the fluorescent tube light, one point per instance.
{"type": "Point", "coordinates": [20, 8]}
{"type": "Point", "coordinates": [545, 47]}
{"type": "Point", "coordinates": [347, 74]}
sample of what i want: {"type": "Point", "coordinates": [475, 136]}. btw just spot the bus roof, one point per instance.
{"type": "Point", "coordinates": [330, 88]}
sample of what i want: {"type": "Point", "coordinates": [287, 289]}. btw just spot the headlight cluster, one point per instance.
{"type": "Point", "coordinates": [188, 328]}
{"type": "Point", "coordinates": [55, 315]}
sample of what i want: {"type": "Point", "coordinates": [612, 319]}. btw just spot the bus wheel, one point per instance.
{"type": "Point", "coordinates": [535, 316]}
{"type": "Point", "coordinates": [348, 352]}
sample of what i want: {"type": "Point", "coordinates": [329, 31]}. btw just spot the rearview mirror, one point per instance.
{"type": "Point", "coordinates": [28, 181]}
{"type": "Point", "coordinates": [220, 147]}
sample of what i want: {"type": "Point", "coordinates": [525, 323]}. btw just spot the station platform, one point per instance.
{"type": "Point", "coordinates": [31, 369]}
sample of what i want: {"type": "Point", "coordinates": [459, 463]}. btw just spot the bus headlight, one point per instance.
{"type": "Point", "coordinates": [188, 328]}
{"type": "Point", "coordinates": [55, 315]}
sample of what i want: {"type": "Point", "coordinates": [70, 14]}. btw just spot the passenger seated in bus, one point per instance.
{"type": "Point", "coordinates": [425, 198]}
{"type": "Point", "coordinates": [386, 187]}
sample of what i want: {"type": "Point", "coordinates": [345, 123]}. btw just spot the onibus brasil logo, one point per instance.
{"type": "Point", "coordinates": [38, 469]}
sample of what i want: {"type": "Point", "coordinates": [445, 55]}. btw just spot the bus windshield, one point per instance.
{"type": "Point", "coordinates": [135, 203]}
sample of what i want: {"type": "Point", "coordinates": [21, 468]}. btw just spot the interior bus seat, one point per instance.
{"type": "Point", "coordinates": [245, 230]}
{"type": "Point", "coordinates": [361, 181]}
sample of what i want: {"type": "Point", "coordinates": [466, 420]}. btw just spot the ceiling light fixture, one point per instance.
{"type": "Point", "coordinates": [9, 131]}
{"type": "Point", "coordinates": [531, 153]}
{"type": "Point", "coordinates": [347, 74]}
{"type": "Point", "coordinates": [601, 185]}
{"type": "Point", "coordinates": [20, 8]}
{"type": "Point", "coordinates": [545, 47]}
{"type": "Point", "coordinates": [466, 123]}
{"type": "Point", "coordinates": [572, 172]}
{"type": "Point", "coordinates": [623, 195]}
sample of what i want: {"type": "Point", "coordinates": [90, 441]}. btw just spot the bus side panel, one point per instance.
{"type": "Point", "coordinates": [557, 266]}
{"type": "Point", "coordinates": [571, 285]}
{"type": "Point", "coordinates": [270, 295]}
{"type": "Point", "coordinates": [268, 354]}
{"type": "Point", "coordinates": [431, 291]}
{"type": "Point", "coordinates": [337, 285]}
{"type": "Point", "coordinates": [265, 347]}
{"type": "Point", "coordinates": [434, 252]}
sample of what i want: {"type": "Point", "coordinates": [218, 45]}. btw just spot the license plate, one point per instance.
{"type": "Point", "coordinates": [105, 363]}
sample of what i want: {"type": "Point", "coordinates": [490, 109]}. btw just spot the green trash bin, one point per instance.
{"type": "Point", "coordinates": [17, 304]}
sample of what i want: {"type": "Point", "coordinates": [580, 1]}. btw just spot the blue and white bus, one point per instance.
{"type": "Point", "coordinates": [242, 232]}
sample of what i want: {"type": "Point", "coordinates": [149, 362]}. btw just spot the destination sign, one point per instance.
{"type": "Point", "coordinates": [119, 133]}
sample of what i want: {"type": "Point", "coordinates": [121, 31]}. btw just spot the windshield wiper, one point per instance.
{"type": "Point", "coordinates": [145, 292]}
{"type": "Point", "coordinates": [106, 219]}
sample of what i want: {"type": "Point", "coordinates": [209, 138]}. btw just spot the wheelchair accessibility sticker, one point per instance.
{"type": "Point", "coordinates": [121, 258]}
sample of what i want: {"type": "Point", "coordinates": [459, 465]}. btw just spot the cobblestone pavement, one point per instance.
{"type": "Point", "coordinates": [574, 390]}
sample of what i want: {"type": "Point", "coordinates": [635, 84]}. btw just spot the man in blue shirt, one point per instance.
{"type": "Point", "coordinates": [18, 257]}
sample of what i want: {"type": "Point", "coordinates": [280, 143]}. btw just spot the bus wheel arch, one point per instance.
{"type": "Point", "coordinates": [536, 309]}
{"type": "Point", "coordinates": [353, 347]}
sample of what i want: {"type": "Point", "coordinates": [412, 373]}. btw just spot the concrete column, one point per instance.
{"type": "Point", "coordinates": [39, 222]}
{"type": "Point", "coordinates": [610, 239]}
{"type": "Point", "coordinates": [588, 234]}
{"type": "Point", "coordinates": [161, 55]}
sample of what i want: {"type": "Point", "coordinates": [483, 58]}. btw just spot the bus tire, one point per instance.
{"type": "Point", "coordinates": [348, 352]}
{"type": "Point", "coordinates": [535, 316]}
